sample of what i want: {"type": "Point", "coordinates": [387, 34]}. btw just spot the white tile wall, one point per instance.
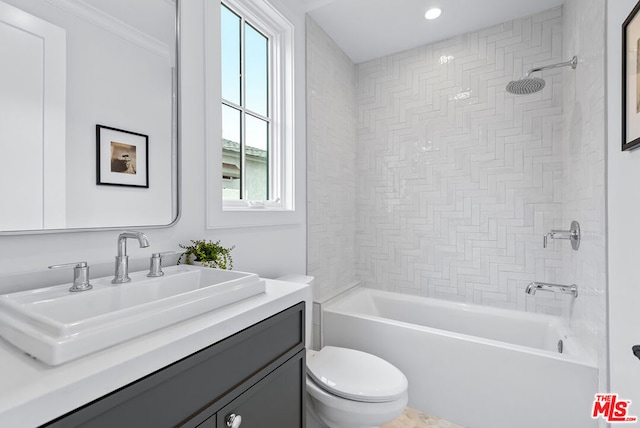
{"type": "Point", "coordinates": [449, 184]}
{"type": "Point", "coordinates": [331, 155]}
{"type": "Point", "coordinates": [584, 172]}
{"type": "Point", "coordinates": [458, 180]}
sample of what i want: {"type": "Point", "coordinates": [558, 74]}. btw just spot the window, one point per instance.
{"type": "Point", "coordinates": [250, 114]}
{"type": "Point", "coordinates": [254, 140]}
{"type": "Point", "coordinates": [245, 109]}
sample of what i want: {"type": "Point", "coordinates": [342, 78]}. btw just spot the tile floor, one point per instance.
{"type": "Point", "coordinates": [412, 418]}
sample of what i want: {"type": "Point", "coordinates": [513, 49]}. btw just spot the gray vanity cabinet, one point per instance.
{"type": "Point", "coordinates": [257, 373]}
{"type": "Point", "coordinates": [275, 401]}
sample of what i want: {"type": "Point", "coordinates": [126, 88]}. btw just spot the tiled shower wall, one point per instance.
{"type": "Point", "coordinates": [584, 172]}
{"type": "Point", "coordinates": [458, 180]}
{"type": "Point", "coordinates": [331, 168]}
{"type": "Point", "coordinates": [450, 183]}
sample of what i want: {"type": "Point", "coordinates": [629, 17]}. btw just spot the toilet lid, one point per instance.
{"type": "Point", "coordinates": [356, 375]}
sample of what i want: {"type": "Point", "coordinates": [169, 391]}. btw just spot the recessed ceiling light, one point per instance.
{"type": "Point", "coordinates": [433, 13]}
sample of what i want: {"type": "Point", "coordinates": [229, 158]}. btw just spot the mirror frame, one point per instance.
{"type": "Point", "coordinates": [175, 161]}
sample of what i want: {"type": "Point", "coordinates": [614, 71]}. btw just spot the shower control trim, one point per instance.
{"type": "Point", "coordinates": [573, 234]}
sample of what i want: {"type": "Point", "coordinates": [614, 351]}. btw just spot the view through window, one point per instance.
{"type": "Point", "coordinates": [246, 117]}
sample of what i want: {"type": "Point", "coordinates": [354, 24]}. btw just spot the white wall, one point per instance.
{"type": "Point", "coordinates": [331, 163]}
{"type": "Point", "coordinates": [623, 169]}
{"type": "Point", "coordinates": [269, 251]}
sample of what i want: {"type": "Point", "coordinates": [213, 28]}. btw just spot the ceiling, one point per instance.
{"type": "Point", "coordinates": [367, 29]}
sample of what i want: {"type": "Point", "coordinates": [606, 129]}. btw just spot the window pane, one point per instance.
{"type": "Point", "coordinates": [231, 160]}
{"type": "Point", "coordinates": [230, 35]}
{"type": "Point", "coordinates": [256, 69]}
{"type": "Point", "coordinates": [256, 159]}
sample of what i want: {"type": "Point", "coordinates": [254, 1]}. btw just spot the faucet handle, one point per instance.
{"type": "Point", "coordinates": [64, 265]}
{"type": "Point", "coordinates": [155, 263]}
{"type": "Point", "coordinates": [80, 275]}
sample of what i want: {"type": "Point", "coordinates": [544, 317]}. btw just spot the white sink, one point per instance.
{"type": "Point", "coordinates": [55, 325]}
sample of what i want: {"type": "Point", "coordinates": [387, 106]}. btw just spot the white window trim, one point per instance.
{"type": "Point", "coordinates": [280, 210]}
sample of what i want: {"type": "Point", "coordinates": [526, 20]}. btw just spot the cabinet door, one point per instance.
{"type": "Point", "coordinates": [277, 401]}
{"type": "Point", "coordinates": [209, 423]}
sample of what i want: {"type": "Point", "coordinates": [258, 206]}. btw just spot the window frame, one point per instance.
{"type": "Point", "coordinates": [280, 209]}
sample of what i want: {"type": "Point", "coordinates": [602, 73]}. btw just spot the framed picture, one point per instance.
{"type": "Point", "coordinates": [631, 80]}
{"type": "Point", "coordinates": [122, 157]}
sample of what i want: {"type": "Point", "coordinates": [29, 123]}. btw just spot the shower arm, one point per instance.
{"type": "Point", "coordinates": [573, 63]}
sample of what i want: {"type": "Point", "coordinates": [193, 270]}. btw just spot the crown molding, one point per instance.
{"type": "Point", "coordinates": [114, 25]}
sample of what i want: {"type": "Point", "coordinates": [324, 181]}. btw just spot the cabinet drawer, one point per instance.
{"type": "Point", "coordinates": [176, 392]}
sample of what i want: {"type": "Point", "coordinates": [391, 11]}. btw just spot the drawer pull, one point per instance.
{"type": "Point", "coordinates": [234, 421]}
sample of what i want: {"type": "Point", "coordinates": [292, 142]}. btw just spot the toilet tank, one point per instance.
{"type": "Point", "coordinates": [298, 278]}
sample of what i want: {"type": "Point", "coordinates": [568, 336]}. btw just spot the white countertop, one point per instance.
{"type": "Point", "coordinates": [33, 393]}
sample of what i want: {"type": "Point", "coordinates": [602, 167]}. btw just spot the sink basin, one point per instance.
{"type": "Point", "coordinates": [55, 325]}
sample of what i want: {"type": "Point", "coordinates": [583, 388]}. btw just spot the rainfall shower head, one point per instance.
{"type": "Point", "coordinates": [526, 85]}
{"type": "Point", "coordinates": [530, 85]}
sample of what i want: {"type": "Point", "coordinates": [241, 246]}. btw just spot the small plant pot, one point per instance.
{"type": "Point", "coordinates": [208, 253]}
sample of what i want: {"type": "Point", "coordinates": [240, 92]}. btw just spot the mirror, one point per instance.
{"type": "Point", "coordinates": [88, 115]}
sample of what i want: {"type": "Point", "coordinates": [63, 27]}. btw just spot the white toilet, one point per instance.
{"type": "Point", "coordinates": [352, 389]}
{"type": "Point", "coordinates": [347, 388]}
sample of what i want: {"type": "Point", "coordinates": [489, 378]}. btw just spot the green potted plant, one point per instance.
{"type": "Point", "coordinates": [208, 253]}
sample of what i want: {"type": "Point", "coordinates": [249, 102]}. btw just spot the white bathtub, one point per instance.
{"type": "Point", "coordinates": [477, 366]}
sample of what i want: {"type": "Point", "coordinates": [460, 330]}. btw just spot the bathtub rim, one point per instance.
{"type": "Point", "coordinates": [577, 356]}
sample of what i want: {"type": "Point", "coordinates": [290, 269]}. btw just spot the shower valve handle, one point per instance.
{"type": "Point", "coordinates": [573, 234]}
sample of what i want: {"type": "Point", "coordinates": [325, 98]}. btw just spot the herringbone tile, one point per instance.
{"type": "Point", "coordinates": [457, 180]}
{"type": "Point", "coordinates": [449, 183]}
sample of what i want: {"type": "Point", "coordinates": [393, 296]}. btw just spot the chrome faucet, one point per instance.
{"type": "Point", "coordinates": [556, 288]}
{"type": "Point", "coordinates": [122, 260]}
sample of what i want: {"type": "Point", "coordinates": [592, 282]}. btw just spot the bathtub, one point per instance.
{"type": "Point", "coordinates": [476, 366]}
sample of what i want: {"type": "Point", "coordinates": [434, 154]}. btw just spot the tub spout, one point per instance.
{"type": "Point", "coordinates": [556, 288]}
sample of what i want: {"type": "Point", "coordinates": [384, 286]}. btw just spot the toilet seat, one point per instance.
{"type": "Point", "coordinates": [356, 375]}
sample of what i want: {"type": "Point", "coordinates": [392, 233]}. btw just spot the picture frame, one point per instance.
{"type": "Point", "coordinates": [122, 157]}
{"type": "Point", "coordinates": [631, 80]}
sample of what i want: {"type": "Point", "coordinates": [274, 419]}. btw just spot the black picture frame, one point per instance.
{"type": "Point", "coordinates": [631, 80]}
{"type": "Point", "coordinates": [122, 157]}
